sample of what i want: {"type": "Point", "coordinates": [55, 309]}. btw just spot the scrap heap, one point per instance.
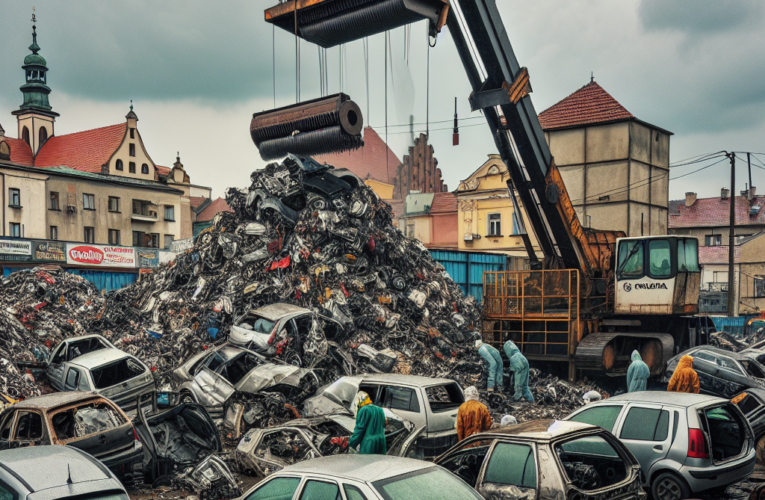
{"type": "Point", "coordinates": [316, 237]}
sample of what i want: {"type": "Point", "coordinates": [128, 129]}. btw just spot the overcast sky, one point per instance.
{"type": "Point", "coordinates": [197, 70]}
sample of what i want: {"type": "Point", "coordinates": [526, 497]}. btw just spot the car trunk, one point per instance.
{"type": "Point", "coordinates": [727, 432]}
{"type": "Point", "coordinates": [178, 437]}
{"type": "Point", "coordinates": [95, 427]}
{"type": "Point", "coordinates": [123, 381]}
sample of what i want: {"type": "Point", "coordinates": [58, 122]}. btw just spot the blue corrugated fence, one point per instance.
{"type": "Point", "coordinates": [467, 268]}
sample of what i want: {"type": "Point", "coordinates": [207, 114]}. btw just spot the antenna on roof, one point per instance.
{"type": "Point", "coordinates": [34, 18]}
{"type": "Point", "coordinates": [69, 473]}
{"type": "Point", "coordinates": [592, 76]}
{"type": "Point", "coordinates": [131, 104]}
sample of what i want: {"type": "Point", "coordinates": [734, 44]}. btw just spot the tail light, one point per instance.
{"type": "Point", "coordinates": [273, 335]}
{"type": "Point", "coordinates": [697, 446]}
{"type": "Point", "coordinates": [135, 434]}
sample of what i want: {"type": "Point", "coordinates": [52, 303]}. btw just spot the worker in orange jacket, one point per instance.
{"type": "Point", "coordinates": [685, 378]}
{"type": "Point", "coordinates": [473, 416]}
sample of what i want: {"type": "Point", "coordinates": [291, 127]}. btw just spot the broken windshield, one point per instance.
{"type": "Point", "coordinates": [259, 324]}
{"type": "Point", "coordinates": [85, 421]}
{"type": "Point", "coordinates": [116, 373]}
{"type": "Point", "coordinates": [239, 367]}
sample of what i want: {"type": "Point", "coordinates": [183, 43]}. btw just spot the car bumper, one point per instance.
{"type": "Point", "coordinates": [121, 463]}
{"type": "Point", "coordinates": [704, 478]}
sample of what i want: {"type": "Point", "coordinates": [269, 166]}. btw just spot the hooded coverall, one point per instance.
{"type": "Point", "coordinates": [685, 378]}
{"type": "Point", "coordinates": [473, 416]}
{"type": "Point", "coordinates": [519, 365]}
{"type": "Point", "coordinates": [369, 431]}
{"type": "Point", "coordinates": [637, 374]}
{"type": "Point", "coordinates": [494, 360]}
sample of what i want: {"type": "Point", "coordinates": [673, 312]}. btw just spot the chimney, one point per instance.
{"type": "Point", "coordinates": [724, 193]}
{"type": "Point", "coordinates": [752, 191]}
{"type": "Point", "coordinates": [690, 199]}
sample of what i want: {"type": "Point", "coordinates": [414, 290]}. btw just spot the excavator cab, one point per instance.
{"type": "Point", "coordinates": [657, 275]}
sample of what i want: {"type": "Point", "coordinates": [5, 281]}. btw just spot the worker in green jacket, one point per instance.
{"type": "Point", "coordinates": [369, 432]}
{"type": "Point", "coordinates": [519, 365]}
{"type": "Point", "coordinates": [637, 374]}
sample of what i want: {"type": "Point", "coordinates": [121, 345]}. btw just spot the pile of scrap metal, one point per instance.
{"type": "Point", "coordinates": [554, 398]}
{"type": "Point", "coordinates": [316, 237]}
{"type": "Point", "coordinates": [38, 308]}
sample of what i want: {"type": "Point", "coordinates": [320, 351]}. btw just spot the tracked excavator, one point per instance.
{"type": "Point", "coordinates": [594, 296]}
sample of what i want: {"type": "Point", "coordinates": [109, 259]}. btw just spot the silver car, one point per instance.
{"type": "Point", "coordinates": [109, 372]}
{"type": "Point", "coordinates": [685, 443]}
{"type": "Point", "coordinates": [430, 403]}
{"type": "Point", "coordinates": [211, 377]}
{"type": "Point", "coordinates": [71, 348]}
{"type": "Point", "coordinates": [359, 477]}
{"type": "Point", "coordinates": [55, 472]}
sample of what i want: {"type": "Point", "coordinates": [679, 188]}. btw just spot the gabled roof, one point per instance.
{"type": "Point", "coordinates": [367, 162]}
{"type": "Point", "coordinates": [196, 201]}
{"type": "Point", "coordinates": [589, 105]}
{"type": "Point", "coordinates": [444, 203]}
{"type": "Point", "coordinates": [718, 254]}
{"type": "Point", "coordinates": [212, 209]}
{"type": "Point", "coordinates": [715, 212]}
{"type": "Point", "coordinates": [20, 151]}
{"type": "Point", "coordinates": [86, 151]}
{"type": "Point", "coordinates": [163, 170]}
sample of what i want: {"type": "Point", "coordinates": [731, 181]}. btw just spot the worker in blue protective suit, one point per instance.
{"type": "Point", "coordinates": [519, 365]}
{"type": "Point", "coordinates": [637, 374]}
{"type": "Point", "coordinates": [494, 361]}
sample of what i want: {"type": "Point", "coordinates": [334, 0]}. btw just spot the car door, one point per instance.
{"type": "Point", "coordinates": [604, 416]}
{"type": "Point", "coordinates": [276, 488]}
{"type": "Point", "coordinates": [6, 426]}
{"type": "Point", "coordinates": [404, 401]}
{"type": "Point", "coordinates": [214, 385]}
{"type": "Point", "coordinates": [645, 431]}
{"type": "Point", "coordinates": [28, 430]}
{"type": "Point", "coordinates": [55, 369]}
{"type": "Point", "coordinates": [320, 489]}
{"type": "Point", "coordinates": [509, 472]}
{"type": "Point", "coordinates": [715, 375]}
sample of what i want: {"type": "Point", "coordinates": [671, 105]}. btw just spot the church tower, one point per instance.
{"type": "Point", "coordinates": [35, 116]}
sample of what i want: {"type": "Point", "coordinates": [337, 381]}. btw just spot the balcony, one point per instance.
{"type": "Point", "coordinates": [144, 211]}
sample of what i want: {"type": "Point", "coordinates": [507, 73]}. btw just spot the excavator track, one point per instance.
{"type": "Point", "coordinates": [610, 351]}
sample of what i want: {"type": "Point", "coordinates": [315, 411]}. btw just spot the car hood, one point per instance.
{"type": "Point", "coordinates": [269, 375]}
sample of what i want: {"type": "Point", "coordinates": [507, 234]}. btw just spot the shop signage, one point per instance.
{"type": "Point", "coordinates": [100, 255]}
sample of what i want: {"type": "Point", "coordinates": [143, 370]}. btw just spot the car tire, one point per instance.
{"type": "Point", "coordinates": [760, 450]}
{"type": "Point", "coordinates": [668, 486]}
{"type": "Point", "coordinates": [187, 397]}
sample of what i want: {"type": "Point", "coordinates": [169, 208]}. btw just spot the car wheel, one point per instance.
{"type": "Point", "coordinates": [186, 397]}
{"type": "Point", "coordinates": [668, 486]}
{"type": "Point", "coordinates": [760, 449]}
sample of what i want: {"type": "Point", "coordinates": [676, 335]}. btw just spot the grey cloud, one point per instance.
{"type": "Point", "coordinates": [698, 17]}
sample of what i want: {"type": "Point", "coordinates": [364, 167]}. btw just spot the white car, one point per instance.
{"type": "Point", "coordinates": [362, 477]}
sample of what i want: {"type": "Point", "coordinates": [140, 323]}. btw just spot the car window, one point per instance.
{"type": "Point", "coordinates": [262, 325]}
{"type": "Point", "coordinates": [281, 488]}
{"type": "Point", "coordinates": [320, 490]}
{"type": "Point", "coordinates": [432, 483]}
{"type": "Point", "coordinates": [214, 361]}
{"type": "Point", "coordinates": [512, 464]}
{"type": "Point", "coordinates": [747, 403]}
{"type": "Point", "coordinates": [591, 463]}
{"type": "Point", "coordinates": [728, 364]}
{"type": "Point", "coordinates": [706, 356]}
{"type": "Point", "coordinates": [116, 373]}
{"type": "Point", "coordinates": [753, 369]}
{"type": "Point", "coordinates": [375, 394]}
{"type": "Point", "coordinates": [602, 416]}
{"type": "Point", "coordinates": [467, 460]}
{"type": "Point", "coordinates": [353, 493]}
{"type": "Point", "coordinates": [5, 432]}
{"type": "Point", "coordinates": [443, 398]}
{"type": "Point", "coordinates": [72, 379]}
{"type": "Point", "coordinates": [85, 420]}
{"type": "Point", "coordinates": [240, 366]}
{"type": "Point", "coordinates": [400, 398]}
{"type": "Point", "coordinates": [6, 493]}
{"type": "Point", "coordinates": [59, 357]}
{"type": "Point", "coordinates": [646, 424]}
{"type": "Point", "coordinates": [29, 427]}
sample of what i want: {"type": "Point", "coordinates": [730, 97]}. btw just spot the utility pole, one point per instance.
{"type": "Point", "coordinates": [732, 239]}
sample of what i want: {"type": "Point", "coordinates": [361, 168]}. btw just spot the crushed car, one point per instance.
{"type": "Point", "coordinates": [110, 372]}
{"type": "Point", "coordinates": [83, 420]}
{"type": "Point", "coordinates": [721, 373]}
{"type": "Point", "coordinates": [546, 459]}
{"type": "Point", "coordinates": [685, 443]}
{"type": "Point", "coordinates": [265, 451]}
{"type": "Point", "coordinates": [752, 403]}
{"type": "Point", "coordinates": [214, 376]}
{"type": "Point", "coordinates": [72, 348]}
{"type": "Point", "coordinates": [429, 403]}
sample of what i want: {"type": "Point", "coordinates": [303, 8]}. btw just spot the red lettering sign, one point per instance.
{"type": "Point", "coordinates": [86, 255]}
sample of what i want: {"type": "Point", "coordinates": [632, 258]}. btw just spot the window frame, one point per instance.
{"type": "Point", "coordinates": [57, 197]}
{"type": "Point", "coordinates": [144, 168]}
{"type": "Point", "coordinates": [672, 251]}
{"type": "Point", "coordinates": [131, 167]}
{"type": "Point", "coordinates": [272, 479]}
{"type": "Point", "coordinates": [109, 204]}
{"type": "Point", "coordinates": [11, 226]}
{"type": "Point", "coordinates": [308, 480]}
{"type": "Point", "coordinates": [132, 132]}
{"type": "Point", "coordinates": [14, 193]}
{"type": "Point", "coordinates": [92, 198]}
{"type": "Point", "coordinates": [172, 208]}
{"type": "Point", "coordinates": [92, 234]}
{"type": "Point", "coordinates": [716, 240]}
{"type": "Point", "coordinates": [53, 233]}
{"type": "Point", "coordinates": [117, 232]}
{"type": "Point", "coordinates": [164, 242]}
{"type": "Point", "coordinates": [131, 150]}
{"type": "Point", "coordinates": [14, 431]}
{"type": "Point", "coordinates": [653, 439]}
{"type": "Point", "coordinates": [589, 408]}
{"type": "Point", "coordinates": [490, 455]}
{"type": "Point", "coordinates": [619, 273]}
{"type": "Point", "coordinates": [119, 165]}
{"type": "Point", "coordinates": [490, 225]}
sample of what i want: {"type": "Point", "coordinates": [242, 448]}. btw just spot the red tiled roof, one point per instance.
{"type": "Point", "coordinates": [718, 254]}
{"type": "Point", "coordinates": [444, 203]}
{"type": "Point", "coordinates": [196, 200]}
{"type": "Point", "coordinates": [715, 212]}
{"type": "Point", "coordinates": [367, 162]}
{"type": "Point", "coordinates": [86, 151]}
{"type": "Point", "coordinates": [397, 206]}
{"type": "Point", "coordinates": [20, 151]}
{"type": "Point", "coordinates": [588, 105]}
{"type": "Point", "coordinates": [163, 170]}
{"type": "Point", "coordinates": [212, 209]}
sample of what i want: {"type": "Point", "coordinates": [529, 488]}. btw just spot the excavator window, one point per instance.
{"type": "Point", "coordinates": [660, 256]}
{"type": "Point", "coordinates": [687, 256]}
{"type": "Point", "coordinates": [631, 259]}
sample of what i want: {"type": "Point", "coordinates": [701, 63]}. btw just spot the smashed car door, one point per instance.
{"type": "Point", "coordinates": [6, 424]}
{"type": "Point", "coordinates": [56, 367]}
{"type": "Point", "coordinates": [338, 394]}
{"type": "Point", "coordinates": [29, 430]}
{"type": "Point", "coordinates": [213, 385]}
{"type": "Point", "coordinates": [510, 473]}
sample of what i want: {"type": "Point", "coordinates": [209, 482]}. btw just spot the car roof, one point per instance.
{"type": "Point", "coordinates": [274, 312]}
{"type": "Point", "coordinates": [682, 399]}
{"type": "Point", "coordinates": [716, 350]}
{"type": "Point", "coordinates": [365, 468]}
{"type": "Point", "coordinates": [54, 400]}
{"type": "Point", "coordinates": [229, 351]}
{"type": "Point", "coordinates": [94, 359]}
{"type": "Point", "coordinates": [398, 378]}
{"type": "Point", "coordinates": [59, 463]}
{"type": "Point", "coordinates": [83, 337]}
{"type": "Point", "coordinates": [540, 430]}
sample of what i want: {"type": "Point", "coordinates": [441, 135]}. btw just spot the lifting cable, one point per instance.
{"type": "Point", "coordinates": [366, 72]}
{"type": "Point", "coordinates": [273, 59]}
{"type": "Point", "coordinates": [427, 91]}
{"type": "Point", "coordinates": [387, 172]}
{"type": "Point", "coordinates": [297, 56]}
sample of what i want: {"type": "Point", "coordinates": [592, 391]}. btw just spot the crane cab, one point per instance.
{"type": "Point", "coordinates": [657, 275]}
